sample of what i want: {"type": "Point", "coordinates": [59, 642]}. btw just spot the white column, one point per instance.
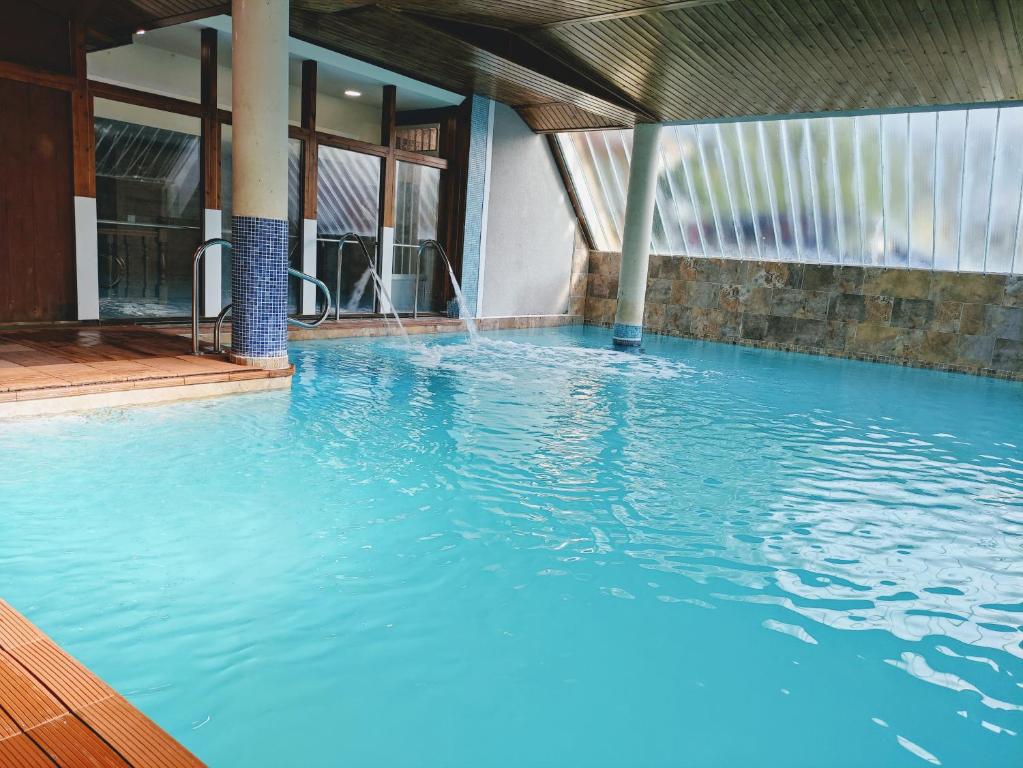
{"type": "Point", "coordinates": [309, 267]}
{"type": "Point", "coordinates": [259, 102]}
{"type": "Point", "coordinates": [639, 221]}
{"type": "Point", "coordinates": [259, 258]}
{"type": "Point", "coordinates": [86, 258]}
{"type": "Point", "coordinates": [212, 226]}
{"type": "Point", "coordinates": [386, 251]}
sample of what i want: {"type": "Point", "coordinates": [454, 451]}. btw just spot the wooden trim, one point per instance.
{"type": "Point", "coordinates": [83, 132]}
{"type": "Point", "coordinates": [566, 181]}
{"type": "Point", "coordinates": [353, 145]}
{"type": "Point", "coordinates": [210, 134]}
{"type": "Point", "coordinates": [419, 159]}
{"type": "Point", "coordinates": [310, 144]}
{"type": "Point", "coordinates": [11, 71]}
{"type": "Point", "coordinates": [388, 137]}
{"type": "Point", "coordinates": [144, 99]}
{"type": "Point", "coordinates": [425, 116]}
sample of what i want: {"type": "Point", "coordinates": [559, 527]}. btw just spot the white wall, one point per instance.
{"type": "Point", "coordinates": [530, 225]}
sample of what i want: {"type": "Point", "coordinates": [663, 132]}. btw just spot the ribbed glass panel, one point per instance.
{"type": "Point", "coordinates": [948, 191]}
{"type": "Point", "coordinates": [1006, 193]}
{"type": "Point", "coordinates": [923, 128]}
{"type": "Point", "coordinates": [924, 190]}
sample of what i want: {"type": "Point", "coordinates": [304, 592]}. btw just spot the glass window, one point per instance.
{"type": "Point", "coordinates": [930, 190]}
{"type": "Point", "coordinates": [149, 210]}
{"type": "Point", "coordinates": [347, 200]}
{"type": "Point", "coordinates": [416, 283]}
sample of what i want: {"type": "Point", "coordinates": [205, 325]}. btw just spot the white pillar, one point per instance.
{"type": "Point", "coordinates": [212, 226]}
{"type": "Point", "coordinates": [308, 306]}
{"type": "Point", "coordinates": [639, 221]}
{"type": "Point", "coordinates": [259, 95]}
{"type": "Point", "coordinates": [386, 251]}
{"type": "Point", "coordinates": [86, 258]}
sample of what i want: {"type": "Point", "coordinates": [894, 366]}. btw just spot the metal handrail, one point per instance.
{"type": "Point", "coordinates": [326, 298]}
{"type": "Point", "coordinates": [196, 259]}
{"type": "Point", "coordinates": [218, 326]}
{"type": "Point", "coordinates": [349, 237]}
{"type": "Point", "coordinates": [419, 256]}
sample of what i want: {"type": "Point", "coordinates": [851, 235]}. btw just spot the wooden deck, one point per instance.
{"type": "Point", "coordinates": [55, 712]}
{"type": "Point", "coordinates": [60, 362]}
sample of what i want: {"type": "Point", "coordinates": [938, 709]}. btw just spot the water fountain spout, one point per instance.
{"type": "Point", "coordinates": [355, 237]}
{"type": "Point", "coordinates": [463, 307]}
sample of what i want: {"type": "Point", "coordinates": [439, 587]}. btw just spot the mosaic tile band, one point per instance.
{"type": "Point", "coordinates": [627, 335]}
{"type": "Point", "coordinates": [479, 138]}
{"type": "Point", "coordinates": [259, 289]}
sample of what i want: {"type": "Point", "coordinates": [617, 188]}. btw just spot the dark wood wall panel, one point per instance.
{"type": "Point", "coordinates": [35, 37]}
{"type": "Point", "coordinates": [37, 254]}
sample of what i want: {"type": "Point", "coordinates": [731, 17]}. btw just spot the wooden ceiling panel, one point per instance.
{"type": "Point", "coordinates": [769, 57]}
{"type": "Point", "coordinates": [605, 63]}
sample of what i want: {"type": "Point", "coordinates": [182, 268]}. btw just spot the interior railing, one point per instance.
{"type": "Point", "coordinates": [350, 237]}
{"type": "Point", "coordinates": [197, 260]}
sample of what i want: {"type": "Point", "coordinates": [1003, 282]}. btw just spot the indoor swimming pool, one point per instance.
{"type": "Point", "coordinates": [537, 551]}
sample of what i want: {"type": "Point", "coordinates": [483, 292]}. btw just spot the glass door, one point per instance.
{"type": "Point", "coordinates": [347, 200]}
{"type": "Point", "coordinates": [148, 209]}
{"type": "Point", "coordinates": [416, 283]}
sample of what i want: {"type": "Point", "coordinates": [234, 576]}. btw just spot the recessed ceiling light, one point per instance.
{"type": "Point", "coordinates": [140, 31]}
{"type": "Point", "coordinates": [352, 93]}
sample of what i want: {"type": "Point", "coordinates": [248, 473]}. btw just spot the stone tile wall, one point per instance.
{"type": "Point", "coordinates": [952, 321]}
{"type": "Point", "coordinates": [580, 267]}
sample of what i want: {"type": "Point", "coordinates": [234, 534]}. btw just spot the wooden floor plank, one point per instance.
{"type": "Point", "coordinates": [24, 698]}
{"type": "Point", "coordinates": [55, 712]}
{"type": "Point", "coordinates": [70, 743]}
{"type": "Point", "coordinates": [21, 752]}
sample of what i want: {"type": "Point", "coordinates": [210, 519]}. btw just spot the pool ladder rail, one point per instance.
{"type": "Point", "coordinates": [197, 260]}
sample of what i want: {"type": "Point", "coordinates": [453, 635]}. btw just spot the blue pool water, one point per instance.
{"type": "Point", "coordinates": [540, 552]}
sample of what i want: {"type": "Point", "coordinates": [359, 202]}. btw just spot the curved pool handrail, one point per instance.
{"type": "Point", "coordinates": [326, 298]}
{"type": "Point", "coordinates": [196, 260]}
{"type": "Point", "coordinates": [219, 324]}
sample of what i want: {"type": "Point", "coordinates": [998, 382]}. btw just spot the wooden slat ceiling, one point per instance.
{"type": "Point", "coordinates": [576, 64]}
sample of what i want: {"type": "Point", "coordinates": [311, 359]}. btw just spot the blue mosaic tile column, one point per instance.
{"type": "Point", "coordinates": [480, 127]}
{"type": "Point", "coordinates": [259, 291]}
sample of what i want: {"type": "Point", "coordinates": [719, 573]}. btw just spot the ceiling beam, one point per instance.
{"type": "Point", "coordinates": [676, 5]}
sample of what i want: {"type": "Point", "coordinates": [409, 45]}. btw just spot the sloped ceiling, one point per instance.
{"type": "Point", "coordinates": [568, 65]}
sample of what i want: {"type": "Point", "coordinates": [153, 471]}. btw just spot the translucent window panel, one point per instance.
{"type": "Point", "coordinates": [982, 135]}
{"type": "Point", "coordinates": [923, 127]}
{"type": "Point", "coordinates": [149, 210]}
{"type": "Point", "coordinates": [914, 190]}
{"type": "Point", "coordinates": [823, 180]}
{"type": "Point", "coordinates": [347, 200]}
{"type": "Point", "coordinates": [948, 187]}
{"type": "Point", "coordinates": [294, 213]}
{"type": "Point", "coordinates": [673, 163]}
{"type": "Point", "coordinates": [582, 173]}
{"type": "Point", "coordinates": [895, 181]}
{"type": "Point", "coordinates": [738, 211]}
{"type": "Point", "coordinates": [1006, 193]}
{"type": "Point", "coordinates": [745, 141]}
{"type": "Point", "coordinates": [868, 138]}
{"type": "Point", "coordinates": [769, 143]}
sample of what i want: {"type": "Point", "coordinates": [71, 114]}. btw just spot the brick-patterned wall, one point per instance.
{"type": "Point", "coordinates": [953, 321]}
